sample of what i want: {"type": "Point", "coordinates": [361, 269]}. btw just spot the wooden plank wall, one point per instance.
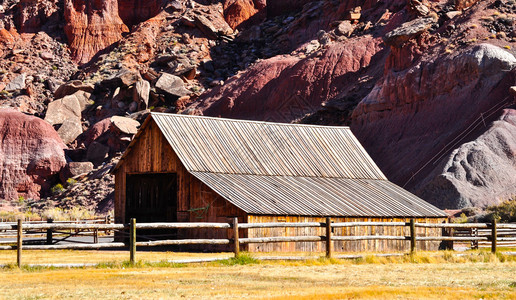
{"type": "Point", "coordinates": [341, 246]}
{"type": "Point", "coordinates": [196, 202]}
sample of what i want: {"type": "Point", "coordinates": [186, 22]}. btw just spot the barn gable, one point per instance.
{"type": "Point", "coordinates": [286, 169]}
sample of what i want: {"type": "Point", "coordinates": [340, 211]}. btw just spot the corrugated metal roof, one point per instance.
{"type": "Point", "coordinates": [287, 169]}
{"type": "Point", "coordinates": [317, 196]}
{"type": "Point", "coordinates": [260, 148]}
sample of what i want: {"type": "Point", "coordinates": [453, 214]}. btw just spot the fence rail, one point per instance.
{"type": "Point", "coordinates": [479, 234]}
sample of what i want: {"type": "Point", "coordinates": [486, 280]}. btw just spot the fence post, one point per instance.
{"type": "Point", "coordinates": [108, 221]}
{"type": "Point", "coordinates": [235, 237]}
{"type": "Point", "coordinates": [19, 242]}
{"type": "Point", "coordinates": [494, 235]}
{"type": "Point", "coordinates": [49, 232]}
{"type": "Point", "coordinates": [329, 245]}
{"type": "Point", "coordinates": [95, 236]}
{"type": "Point", "coordinates": [412, 236]}
{"type": "Point", "coordinates": [132, 240]}
{"type": "Point", "coordinates": [451, 233]}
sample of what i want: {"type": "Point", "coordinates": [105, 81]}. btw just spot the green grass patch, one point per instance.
{"type": "Point", "coordinates": [242, 259]}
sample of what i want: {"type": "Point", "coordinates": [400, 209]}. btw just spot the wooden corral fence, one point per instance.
{"type": "Point", "coordinates": [492, 233]}
{"type": "Point", "coordinates": [53, 236]}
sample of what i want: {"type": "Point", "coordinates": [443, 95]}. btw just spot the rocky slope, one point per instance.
{"type": "Point", "coordinates": [424, 85]}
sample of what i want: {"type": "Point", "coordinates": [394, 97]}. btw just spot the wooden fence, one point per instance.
{"type": "Point", "coordinates": [491, 233]}
{"type": "Point", "coordinates": [50, 234]}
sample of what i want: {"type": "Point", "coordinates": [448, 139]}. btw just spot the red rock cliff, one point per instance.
{"type": "Point", "coordinates": [92, 26]}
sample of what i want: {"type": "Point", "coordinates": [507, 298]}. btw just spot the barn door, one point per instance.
{"type": "Point", "coordinates": [151, 197]}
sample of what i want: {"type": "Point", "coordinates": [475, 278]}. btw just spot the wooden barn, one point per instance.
{"type": "Point", "coordinates": [184, 168]}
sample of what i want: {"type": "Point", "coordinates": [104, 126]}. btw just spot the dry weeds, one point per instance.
{"type": "Point", "coordinates": [419, 277]}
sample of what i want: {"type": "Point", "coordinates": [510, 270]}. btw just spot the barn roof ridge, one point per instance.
{"type": "Point", "coordinates": [249, 121]}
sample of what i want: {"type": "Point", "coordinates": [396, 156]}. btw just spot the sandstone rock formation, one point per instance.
{"type": "Point", "coordinates": [31, 154]}
{"type": "Point", "coordinates": [92, 26]}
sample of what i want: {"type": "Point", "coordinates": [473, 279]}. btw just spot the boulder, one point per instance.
{"type": "Point", "coordinates": [67, 112]}
{"type": "Point", "coordinates": [18, 83]}
{"type": "Point", "coordinates": [171, 85]}
{"type": "Point", "coordinates": [407, 31]}
{"type": "Point", "coordinates": [97, 130]}
{"type": "Point", "coordinates": [72, 87]}
{"type": "Point", "coordinates": [206, 27]}
{"type": "Point", "coordinates": [62, 109]}
{"type": "Point", "coordinates": [31, 153]}
{"type": "Point", "coordinates": [96, 153]}
{"type": "Point", "coordinates": [73, 169]}
{"type": "Point", "coordinates": [125, 125]}
{"type": "Point", "coordinates": [452, 14]}
{"type": "Point", "coordinates": [345, 28]}
{"type": "Point", "coordinates": [212, 30]}
{"type": "Point", "coordinates": [70, 130]}
{"type": "Point", "coordinates": [175, 5]}
{"type": "Point", "coordinates": [84, 99]}
{"type": "Point", "coordinates": [237, 12]}
{"type": "Point", "coordinates": [463, 4]}
{"type": "Point", "coordinates": [46, 55]}
{"type": "Point", "coordinates": [141, 93]}
{"type": "Point", "coordinates": [122, 78]}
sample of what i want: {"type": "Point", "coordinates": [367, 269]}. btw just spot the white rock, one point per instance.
{"type": "Point", "coordinates": [18, 83]}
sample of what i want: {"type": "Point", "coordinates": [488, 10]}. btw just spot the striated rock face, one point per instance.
{"type": "Point", "coordinates": [91, 26]}
{"type": "Point", "coordinates": [286, 88]}
{"type": "Point", "coordinates": [410, 122]}
{"type": "Point", "coordinates": [31, 153]}
{"type": "Point", "coordinates": [478, 172]}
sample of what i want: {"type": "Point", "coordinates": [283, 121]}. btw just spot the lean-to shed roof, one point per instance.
{"type": "Point", "coordinates": [288, 169]}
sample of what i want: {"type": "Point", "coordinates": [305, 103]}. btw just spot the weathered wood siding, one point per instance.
{"type": "Point", "coordinates": [196, 202]}
{"type": "Point", "coordinates": [341, 246]}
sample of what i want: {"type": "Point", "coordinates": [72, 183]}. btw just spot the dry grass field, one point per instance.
{"type": "Point", "coordinates": [443, 275]}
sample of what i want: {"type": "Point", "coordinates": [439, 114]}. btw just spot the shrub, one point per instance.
{"type": "Point", "coordinates": [79, 213]}
{"type": "Point", "coordinates": [53, 213]}
{"type": "Point", "coordinates": [21, 200]}
{"type": "Point", "coordinates": [58, 188]}
{"type": "Point", "coordinates": [71, 182]}
{"type": "Point", "coordinates": [461, 219]}
{"type": "Point", "coordinates": [505, 211]}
